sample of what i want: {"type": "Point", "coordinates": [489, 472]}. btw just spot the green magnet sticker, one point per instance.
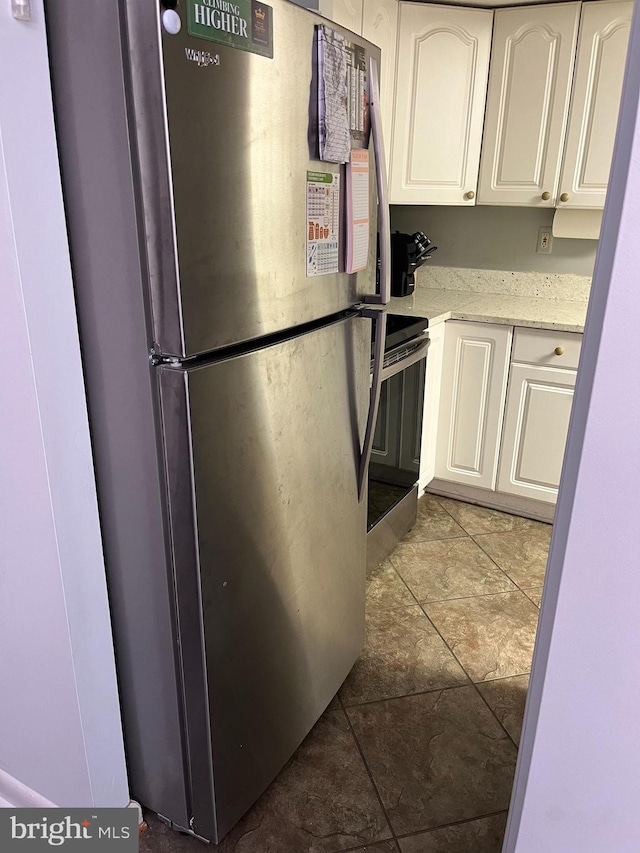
{"type": "Point", "coordinates": [241, 24]}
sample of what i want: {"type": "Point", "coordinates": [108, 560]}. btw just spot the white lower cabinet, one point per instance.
{"type": "Point", "coordinates": [535, 430]}
{"type": "Point", "coordinates": [474, 385]}
{"type": "Point", "coordinates": [500, 443]}
{"type": "Point", "coordinates": [433, 384]}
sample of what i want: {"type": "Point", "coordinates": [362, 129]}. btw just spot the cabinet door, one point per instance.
{"type": "Point", "coordinates": [443, 64]}
{"type": "Point", "coordinates": [597, 88]}
{"type": "Point", "coordinates": [535, 431]}
{"type": "Point", "coordinates": [527, 104]}
{"type": "Point", "coordinates": [380, 26]}
{"type": "Point", "coordinates": [474, 384]}
{"type": "Point", "coordinates": [347, 13]}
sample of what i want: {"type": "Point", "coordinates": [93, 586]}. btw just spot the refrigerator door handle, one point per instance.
{"type": "Point", "coordinates": [384, 221]}
{"type": "Point", "coordinates": [380, 319]}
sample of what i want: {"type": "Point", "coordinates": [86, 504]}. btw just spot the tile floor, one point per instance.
{"type": "Point", "coordinates": [416, 754]}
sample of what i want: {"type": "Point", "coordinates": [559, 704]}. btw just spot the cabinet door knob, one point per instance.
{"type": "Point", "coordinates": [546, 196]}
{"type": "Point", "coordinates": [559, 350]}
{"type": "Point", "coordinates": [564, 197]}
{"type": "Point", "coordinates": [470, 195]}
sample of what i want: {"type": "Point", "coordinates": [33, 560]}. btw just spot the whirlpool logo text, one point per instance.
{"type": "Point", "coordinates": [203, 58]}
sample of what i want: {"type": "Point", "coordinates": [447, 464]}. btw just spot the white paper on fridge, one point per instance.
{"type": "Point", "coordinates": [323, 222]}
{"type": "Point", "coordinates": [357, 211]}
{"type": "Point", "coordinates": [333, 119]}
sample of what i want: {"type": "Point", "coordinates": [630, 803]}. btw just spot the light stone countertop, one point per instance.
{"type": "Point", "coordinates": [503, 308]}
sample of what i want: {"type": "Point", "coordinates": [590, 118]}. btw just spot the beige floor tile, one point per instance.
{"type": "Point", "coordinates": [385, 589]}
{"type": "Point", "coordinates": [484, 835]}
{"type": "Point", "coordinates": [322, 802]}
{"type": "Point", "coordinates": [440, 756]}
{"type": "Point", "coordinates": [522, 554]}
{"type": "Point", "coordinates": [403, 654]}
{"type": "Point", "coordinates": [448, 568]}
{"type": "Point", "coordinates": [436, 758]}
{"type": "Point", "coordinates": [159, 838]}
{"type": "Point", "coordinates": [433, 522]}
{"type": "Point", "coordinates": [492, 635]}
{"type": "Point", "coordinates": [479, 519]}
{"type": "Point", "coordinates": [534, 594]}
{"type": "Point", "coordinates": [506, 698]}
{"type": "Point", "coordinates": [334, 705]}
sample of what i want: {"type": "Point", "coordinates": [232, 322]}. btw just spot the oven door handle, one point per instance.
{"type": "Point", "coordinates": [380, 319]}
{"type": "Point", "coordinates": [414, 356]}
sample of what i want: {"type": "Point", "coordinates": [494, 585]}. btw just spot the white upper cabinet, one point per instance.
{"type": "Point", "coordinates": [442, 69]}
{"type": "Point", "coordinates": [377, 21]}
{"type": "Point", "coordinates": [602, 52]}
{"type": "Point", "coordinates": [346, 13]}
{"type": "Point", "coordinates": [380, 26]}
{"type": "Point", "coordinates": [527, 104]}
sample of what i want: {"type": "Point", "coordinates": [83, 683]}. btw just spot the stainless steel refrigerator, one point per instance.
{"type": "Point", "coordinates": [230, 395]}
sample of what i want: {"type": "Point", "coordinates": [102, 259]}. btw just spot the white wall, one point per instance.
{"type": "Point", "coordinates": [60, 731]}
{"type": "Point", "coordinates": [487, 237]}
{"type": "Point", "coordinates": [577, 779]}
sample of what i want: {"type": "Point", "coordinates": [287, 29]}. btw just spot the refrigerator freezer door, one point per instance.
{"type": "Point", "coordinates": [271, 589]}
{"type": "Point", "coordinates": [229, 152]}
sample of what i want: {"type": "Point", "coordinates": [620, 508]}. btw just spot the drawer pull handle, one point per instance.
{"type": "Point", "coordinates": [564, 197]}
{"type": "Point", "coordinates": [559, 350]}
{"type": "Point", "coordinates": [546, 196]}
{"type": "Point", "coordinates": [470, 195]}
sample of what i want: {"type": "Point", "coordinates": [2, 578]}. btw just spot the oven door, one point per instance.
{"type": "Point", "coordinates": [395, 457]}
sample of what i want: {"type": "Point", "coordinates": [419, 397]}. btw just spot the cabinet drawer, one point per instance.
{"type": "Point", "coordinates": [538, 346]}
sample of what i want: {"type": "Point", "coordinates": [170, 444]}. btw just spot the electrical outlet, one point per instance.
{"type": "Point", "coordinates": [545, 240]}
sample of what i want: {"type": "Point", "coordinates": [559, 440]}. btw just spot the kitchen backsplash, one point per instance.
{"type": "Point", "coordinates": [571, 288]}
{"type": "Point", "coordinates": [495, 238]}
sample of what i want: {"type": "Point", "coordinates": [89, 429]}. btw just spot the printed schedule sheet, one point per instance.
{"type": "Point", "coordinates": [357, 211]}
{"type": "Point", "coordinates": [323, 222]}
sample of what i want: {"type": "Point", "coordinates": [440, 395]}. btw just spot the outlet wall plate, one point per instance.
{"type": "Point", "coordinates": [545, 240]}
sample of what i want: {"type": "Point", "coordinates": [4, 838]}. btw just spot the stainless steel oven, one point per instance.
{"type": "Point", "coordinates": [395, 458]}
